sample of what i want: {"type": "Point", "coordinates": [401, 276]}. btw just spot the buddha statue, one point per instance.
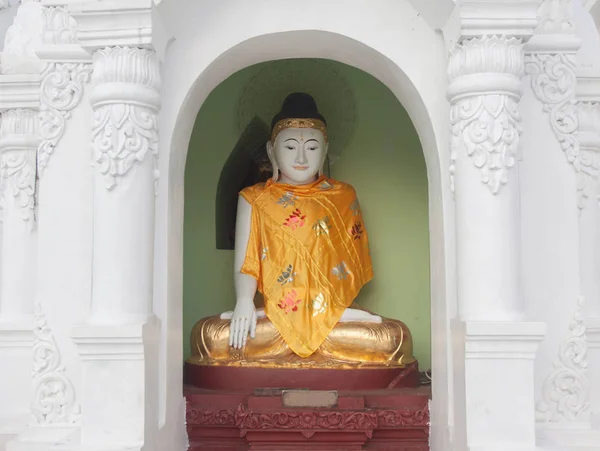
{"type": "Point", "coordinates": [301, 241]}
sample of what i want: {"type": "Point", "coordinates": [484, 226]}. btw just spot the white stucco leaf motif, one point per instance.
{"type": "Point", "coordinates": [54, 401]}
{"type": "Point", "coordinates": [61, 91]}
{"type": "Point", "coordinates": [565, 393]}
{"type": "Point", "coordinates": [487, 129]}
{"type": "Point", "coordinates": [553, 79]}
{"type": "Point", "coordinates": [123, 134]}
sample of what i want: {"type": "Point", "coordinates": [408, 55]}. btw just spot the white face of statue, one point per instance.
{"type": "Point", "coordinates": [298, 154]}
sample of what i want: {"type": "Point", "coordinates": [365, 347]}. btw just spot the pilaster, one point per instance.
{"type": "Point", "coordinates": [118, 343]}
{"type": "Point", "coordinates": [588, 98]}
{"type": "Point", "coordinates": [486, 66]}
{"type": "Point", "coordinates": [19, 103]}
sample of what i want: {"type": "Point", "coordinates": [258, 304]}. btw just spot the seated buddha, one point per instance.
{"type": "Point", "coordinates": [300, 240]}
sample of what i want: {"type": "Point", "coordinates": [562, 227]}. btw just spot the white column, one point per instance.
{"type": "Point", "coordinates": [126, 100]}
{"type": "Point", "coordinates": [485, 90]}
{"type": "Point", "coordinates": [19, 103]}
{"type": "Point", "coordinates": [588, 96]}
{"type": "Point", "coordinates": [118, 344]}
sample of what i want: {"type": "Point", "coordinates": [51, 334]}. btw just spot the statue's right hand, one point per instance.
{"type": "Point", "coordinates": [243, 322]}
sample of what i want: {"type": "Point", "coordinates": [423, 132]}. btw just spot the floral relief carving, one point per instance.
{"type": "Point", "coordinates": [61, 91]}
{"type": "Point", "coordinates": [589, 152]}
{"type": "Point", "coordinates": [565, 393]}
{"type": "Point", "coordinates": [123, 135]}
{"type": "Point", "coordinates": [125, 128]}
{"type": "Point", "coordinates": [22, 37]}
{"type": "Point", "coordinates": [54, 401]}
{"type": "Point", "coordinates": [487, 128]}
{"type": "Point", "coordinates": [553, 80]}
{"type": "Point", "coordinates": [555, 16]}
{"type": "Point", "coordinates": [59, 26]}
{"type": "Point", "coordinates": [244, 418]}
{"type": "Point", "coordinates": [484, 116]}
{"type": "Point", "coordinates": [18, 167]}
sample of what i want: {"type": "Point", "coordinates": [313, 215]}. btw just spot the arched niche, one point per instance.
{"type": "Point", "coordinates": [403, 53]}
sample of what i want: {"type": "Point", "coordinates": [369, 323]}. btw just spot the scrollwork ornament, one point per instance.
{"type": "Point", "coordinates": [123, 134]}
{"type": "Point", "coordinates": [126, 101]}
{"type": "Point", "coordinates": [54, 401]}
{"type": "Point", "coordinates": [487, 129]}
{"type": "Point", "coordinates": [555, 16]}
{"type": "Point", "coordinates": [17, 165]}
{"type": "Point", "coordinates": [61, 91]}
{"type": "Point", "coordinates": [588, 179]}
{"type": "Point", "coordinates": [18, 180]}
{"type": "Point", "coordinates": [553, 80]}
{"type": "Point", "coordinates": [565, 396]}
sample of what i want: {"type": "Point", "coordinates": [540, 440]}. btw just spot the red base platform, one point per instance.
{"type": "Point", "coordinates": [375, 420]}
{"type": "Point", "coordinates": [247, 378]}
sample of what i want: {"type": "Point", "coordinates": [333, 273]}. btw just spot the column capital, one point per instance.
{"type": "Point", "coordinates": [478, 18]}
{"type": "Point", "coordinates": [19, 91]}
{"type": "Point", "coordinates": [113, 23]}
{"type": "Point", "coordinates": [126, 100]}
{"type": "Point", "coordinates": [485, 89]}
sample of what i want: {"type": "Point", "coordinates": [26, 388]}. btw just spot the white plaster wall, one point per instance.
{"type": "Point", "coordinates": [212, 41]}
{"type": "Point", "coordinates": [589, 53]}
{"type": "Point", "coordinates": [64, 276]}
{"type": "Point", "coordinates": [550, 232]}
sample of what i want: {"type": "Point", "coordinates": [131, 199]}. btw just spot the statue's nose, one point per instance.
{"type": "Point", "coordinates": [301, 156]}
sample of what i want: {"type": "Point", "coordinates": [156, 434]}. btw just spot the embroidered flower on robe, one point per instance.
{"type": "Point", "coordinates": [355, 207]}
{"type": "Point", "coordinates": [322, 226]}
{"type": "Point", "coordinates": [287, 199]}
{"type": "Point", "coordinates": [287, 276]}
{"type": "Point", "coordinates": [341, 271]}
{"type": "Point", "coordinates": [356, 231]}
{"type": "Point", "coordinates": [290, 302]}
{"type": "Point", "coordinates": [319, 304]}
{"type": "Point", "coordinates": [295, 220]}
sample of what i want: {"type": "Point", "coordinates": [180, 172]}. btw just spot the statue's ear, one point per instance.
{"type": "Point", "coordinates": [271, 156]}
{"type": "Point", "coordinates": [323, 160]}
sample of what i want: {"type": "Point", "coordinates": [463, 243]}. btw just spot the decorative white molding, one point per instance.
{"type": "Point", "coordinates": [59, 27]}
{"type": "Point", "coordinates": [555, 16]}
{"type": "Point", "coordinates": [566, 389]}
{"type": "Point", "coordinates": [126, 100]}
{"type": "Point", "coordinates": [108, 24]}
{"type": "Point", "coordinates": [553, 80]}
{"type": "Point", "coordinates": [476, 18]}
{"type": "Point", "coordinates": [61, 91]}
{"type": "Point", "coordinates": [19, 91]}
{"type": "Point", "coordinates": [18, 141]}
{"type": "Point", "coordinates": [589, 142]}
{"type": "Point", "coordinates": [54, 400]}
{"type": "Point", "coordinates": [485, 91]}
{"type": "Point", "coordinates": [23, 36]}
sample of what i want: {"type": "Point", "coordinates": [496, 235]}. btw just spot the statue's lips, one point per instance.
{"type": "Point", "coordinates": [300, 168]}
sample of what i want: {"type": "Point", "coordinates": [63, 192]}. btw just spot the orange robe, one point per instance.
{"type": "Point", "coordinates": [309, 251]}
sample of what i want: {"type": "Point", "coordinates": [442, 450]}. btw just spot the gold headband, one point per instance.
{"type": "Point", "coordinates": [298, 123]}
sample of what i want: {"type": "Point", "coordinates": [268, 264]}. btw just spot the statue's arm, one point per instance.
{"type": "Point", "coordinates": [243, 320]}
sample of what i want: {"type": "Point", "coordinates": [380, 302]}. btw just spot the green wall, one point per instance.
{"type": "Point", "coordinates": [385, 164]}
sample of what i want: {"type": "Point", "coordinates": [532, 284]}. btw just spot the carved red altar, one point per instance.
{"type": "Point", "coordinates": [377, 420]}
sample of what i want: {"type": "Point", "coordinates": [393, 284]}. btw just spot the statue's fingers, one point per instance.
{"type": "Point", "coordinates": [244, 332]}
{"type": "Point", "coordinates": [247, 324]}
{"type": "Point", "coordinates": [253, 326]}
{"type": "Point", "coordinates": [239, 333]}
{"type": "Point", "coordinates": [232, 330]}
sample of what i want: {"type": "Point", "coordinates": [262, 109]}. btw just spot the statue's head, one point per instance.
{"type": "Point", "coordinates": [298, 145]}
